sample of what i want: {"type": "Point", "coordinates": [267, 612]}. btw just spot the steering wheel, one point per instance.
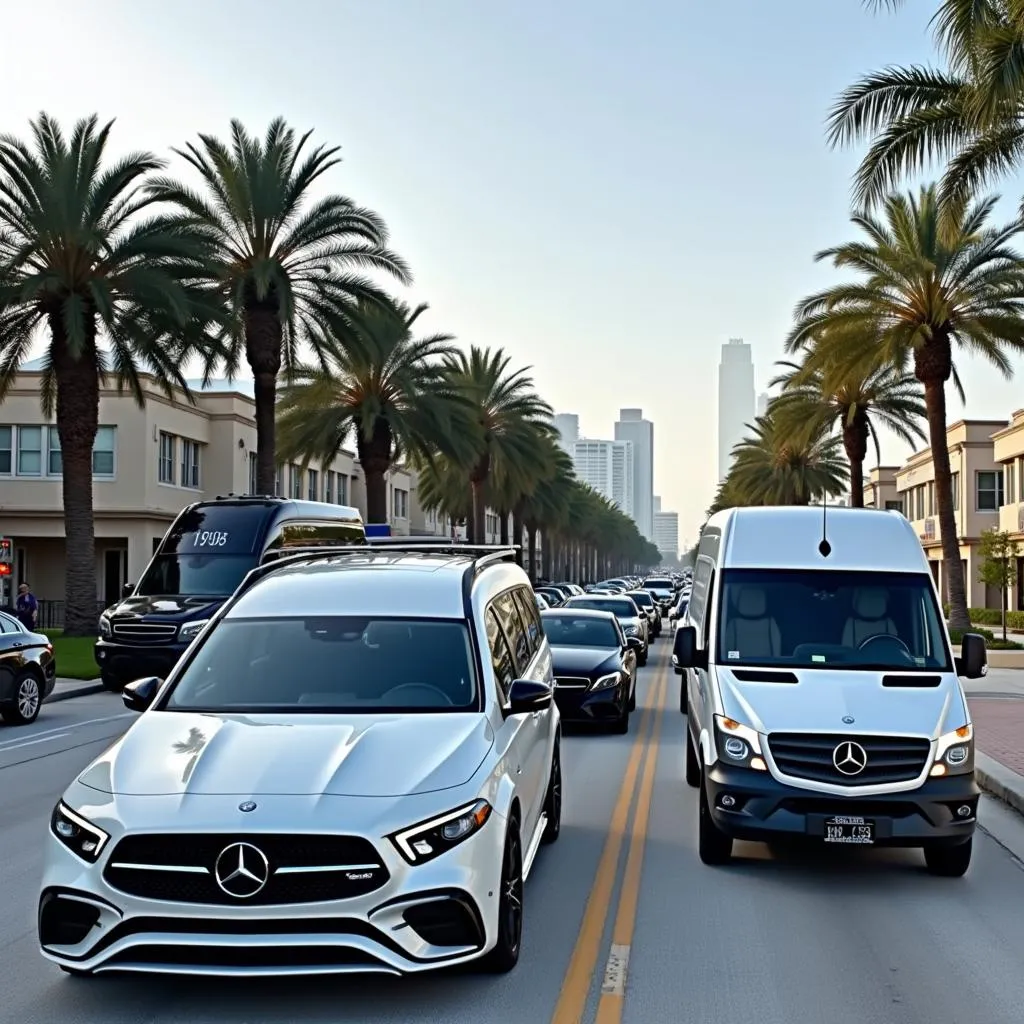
{"type": "Point", "coordinates": [434, 691]}
{"type": "Point", "coordinates": [886, 638]}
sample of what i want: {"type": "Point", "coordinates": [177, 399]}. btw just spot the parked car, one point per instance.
{"type": "Point", "coordinates": [28, 671]}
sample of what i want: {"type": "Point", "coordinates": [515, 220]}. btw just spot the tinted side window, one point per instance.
{"type": "Point", "coordinates": [512, 624]}
{"type": "Point", "coordinates": [305, 534]}
{"type": "Point", "coordinates": [501, 657]}
{"type": "Point", "coordinates": [531, 616]}
{"type": "Point", "coordinates": [698, 597]}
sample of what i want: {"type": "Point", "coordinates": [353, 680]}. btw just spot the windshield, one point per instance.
{"type": "Point", "coordinates": [339, 664]}
{"type": "Point", "coordinates": [620, 609]}
{"type": "Point", "coordinates": [580, 631]}
{"type": "Point", "coordinates": [813, 619]}
{"type": "Point", "coordinates": [657, 585]}
{"type": "Point", "coordinates": [642, 598]}
{"type": "Point", "coordinates": [195, 575]}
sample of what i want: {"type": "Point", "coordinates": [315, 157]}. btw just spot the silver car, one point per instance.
{"type": "Point", "coordinates": [351, 769]}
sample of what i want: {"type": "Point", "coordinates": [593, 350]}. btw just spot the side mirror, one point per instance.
{"type": "Point", "coordinates": [973, 660]}
{"type": "Point", "coordinates": [127, 590]}
{"type": "Point", "coordinates": [527, 696]}
{"type": "Point", "coordinates": [684, 649]}
{"type": "Point", "coordinates": [138, 696]}
{"type": "Point", "coordinates": [635, 642]}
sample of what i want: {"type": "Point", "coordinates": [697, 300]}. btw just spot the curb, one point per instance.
{"type": "Point", "coordinates": [999, 781]}
{"type": "Point", "coordinates": [80, 691]}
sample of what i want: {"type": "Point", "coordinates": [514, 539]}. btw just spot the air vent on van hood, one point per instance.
{"type": "Point", "coordinates": [912, 681]}
{"type": "Point", "coordinates": [746, 675]}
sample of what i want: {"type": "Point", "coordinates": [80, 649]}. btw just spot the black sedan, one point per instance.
{"type": "Point", "coordinates": [594, 666]}
{"type": "Point", "coordinates": [28, 671]}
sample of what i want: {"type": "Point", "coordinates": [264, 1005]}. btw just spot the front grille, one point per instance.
{"type": "Point", "coordinates": [227, 958]}
{"type": "Point", "coordinates": [813, 756]}
{"type": "Point", "coordinates": [572, 683]}
{"type": "Point", "coordinates": [144, 632]}
{"type": "Point", "coordinates": [299, 868]}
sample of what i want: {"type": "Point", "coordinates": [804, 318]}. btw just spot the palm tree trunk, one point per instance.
{"type": "Point", "coordinates": [517, 532]}
{"type": "Point", "coordinates": [531, 536]}
{"type": "Point", "coordinates": [855, 441]}
{"type": "Point", "coordinates": [503, 528]}
{"type": "Point", "coordinates": [77, 415]}
{"type": "Point", "coordinates": [263, 352]}
{"type": "Point", "coordinates": [546, 544]}
{"type": "Point", "coordinates": [952, 567]}
{"type": "Point", "coordinates": [375, 456]}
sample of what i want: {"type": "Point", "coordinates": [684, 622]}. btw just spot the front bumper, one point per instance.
{"type": "Point", "coordinates": [123, 664]}
{"type": "Point", "coordinates": [423, 917]}
{"type": "Point", "coordinates": [765, 808]}
{"type": "Point", "coordinates": [596, 706]}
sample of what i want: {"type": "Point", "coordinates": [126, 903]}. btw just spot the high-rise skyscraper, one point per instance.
{"type": "Point", "coordinates": [607, 466]}
{"type": "Point", "coordinates": [568, 426]}
{"type": "Point", "coordinates": [632, 426]}
{"type": "Point", "coordinates": [656, 507]}
{"type": "Point", "coordinates": [762, 403]}
{"type": "Point", "coordinates": [666, 534]}
{"type": "Point", "coordinates": [735, 399]}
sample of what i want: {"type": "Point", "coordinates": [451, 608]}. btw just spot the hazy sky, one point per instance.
{"type": "Point", "coordinates": [607, 190]}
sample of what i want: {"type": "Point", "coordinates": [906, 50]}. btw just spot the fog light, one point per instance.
{"type": "Point", "coordinates": [964, 811]}
{"type": "Point", "coordinates": [727, 801]}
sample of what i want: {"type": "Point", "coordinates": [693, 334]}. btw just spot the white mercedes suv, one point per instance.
{"type": "Point", "coordinates": [351, 769]}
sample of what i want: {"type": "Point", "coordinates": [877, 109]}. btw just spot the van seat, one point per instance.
{"type": "Point", "coordinates": [870, 617]}
{"type": "Point", "coordinates": [750, 629]}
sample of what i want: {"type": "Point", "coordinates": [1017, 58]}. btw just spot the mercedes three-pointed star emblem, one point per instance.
{"type": "Point", "coordinates": [241, 871]}
{"type": "Point", "coordinates": [850, 758]}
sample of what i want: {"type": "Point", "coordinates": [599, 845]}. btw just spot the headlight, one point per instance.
{"type": "Point", "coordinates": [430, 839]}
{"type": "Point", "coordinates": [607, 682]}
{"type": "Point", "coordinates": [740, 745]}
{"type": "Point", "coordinates": [955, 752]}
{"type": "Point", "coordinates": [631, 630]}
{"type": "Point", "coordinates": [104, 626]}
{"type": "Point", "coordinates": [191, 630]}
{"type": "Point", "coordinates": [81, 837]}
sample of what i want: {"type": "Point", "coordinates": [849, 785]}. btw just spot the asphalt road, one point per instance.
{"type": "Point", "coordinates": [847, 938]}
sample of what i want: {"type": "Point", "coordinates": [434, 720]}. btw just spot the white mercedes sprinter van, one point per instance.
{"type": "Point", "coordinates": [821, 689]}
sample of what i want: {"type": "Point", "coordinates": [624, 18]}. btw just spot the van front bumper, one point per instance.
{"type": "Point", "coordinates": [764, 809]}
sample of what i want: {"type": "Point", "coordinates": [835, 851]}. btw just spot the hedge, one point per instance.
{"type": "Point", "coordinates": [994, 617]}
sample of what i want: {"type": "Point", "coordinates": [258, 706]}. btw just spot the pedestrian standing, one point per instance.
{"type": "Point", "coordinates": [27, 607]}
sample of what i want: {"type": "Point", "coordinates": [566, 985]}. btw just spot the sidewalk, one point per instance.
{"type": "Point", "coordinates": [68, 688]}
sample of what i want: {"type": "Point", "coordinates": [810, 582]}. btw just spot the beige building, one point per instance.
{"type": "Point", "coordinates": [1008, 451]}
{"type": "Point", "coordinates": [977, 499]}
{"type": "Point", "coordinates": [880, 490]}
{"type": "Point", "coordinates": [147, 465]}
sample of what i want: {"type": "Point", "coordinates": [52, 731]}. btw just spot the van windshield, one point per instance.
{"type": "Point", "coordinates": [843, 620]}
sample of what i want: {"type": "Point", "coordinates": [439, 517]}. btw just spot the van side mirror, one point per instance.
{"type": "Point", "coordinates": [138, 695]}
{"type": "Point", "coordinates": [684, 651]}
{"type": "Point", "coordinates": [973, 660]}
{"type": "Point", "coordinates": [127, 590]}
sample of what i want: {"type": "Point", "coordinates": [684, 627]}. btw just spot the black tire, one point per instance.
{"type": "Point", "coordinates": [641, 659]}
{"type": "Point", "coordinates": [632, 697]}
{"type": "Point", "coordinates": [74, 972]}
{"type": "Point", "coordinates": [714, 846]}
{"type": "Point", "coordinates": [110, 683]}
{"type": "Point", "coordinates": [948, 861]}
{"type": "Point", "coordinates": [553, 798]}
{"type": "Point", "coordinates": [692, 761]}
{"type": "Point", "coordinates": [621, 724]}
{"type": "Point", "coordinates": [505, 954]}
{"type": "Point", "coordinates": [27, 700]}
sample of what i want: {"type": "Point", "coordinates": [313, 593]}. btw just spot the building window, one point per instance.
{"type": "Point", "coordinates": [954, 483]}
{"type": "Point", "coordinates": [989, 487]}
{"type": "Point", "coordinates": [894, 506]}
{"type": "Point", "coordinates": [400, 504]}
{"type": "Point", "coordinates": [54, 463]}
{"type": "Point", "coordinates": [252, 472]}
{"type": "Point", "coordinates": [295, 481]}
{"type": "Point", "coordinates": [6, 450]}
{"type": "Point", "coordinates": [165, 464]}
{"type": "Point", "coordinates": [342, 489]}
{"type": "Point", "coordinates": [190, 464]}
{"type": "Point", "coordinates": [104, 452]}
{"type": "Point", "coordinates": [312, 484]}
{"type": "Point", "coordinates": [279, 482]}
{"type": "Point", "coordinates": [1008, 477]}
{"type": "Point", "coordinates": [30, 451]}
{"type": "Point", "coordinates": [329, 485]}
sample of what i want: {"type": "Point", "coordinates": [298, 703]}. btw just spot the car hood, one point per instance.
{"type": "Point", "coordinates": [821, 700]}
{"type": "Point", "coordinates": [162, 604]}
{"type": "Point", "coordinates": [569, 661]}
{"type": "Point", "coordinates": [180, 753]}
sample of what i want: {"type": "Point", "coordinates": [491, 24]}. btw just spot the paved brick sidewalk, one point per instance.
{"type": "Point", "coordinates": [999, 729]}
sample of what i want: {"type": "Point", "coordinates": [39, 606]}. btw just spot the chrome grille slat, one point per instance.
{"type": "Point", "coordinates": [809, 756]}
{"type": "Point", "coordinates": [572, 683]}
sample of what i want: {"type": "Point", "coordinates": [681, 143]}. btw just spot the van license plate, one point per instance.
{"type": "Point", "coordinates": [847, 829]}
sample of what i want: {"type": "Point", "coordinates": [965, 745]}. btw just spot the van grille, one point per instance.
{"type": "Point", "coordinates": [813, 756]}
{"type": "Point", "coordinates": [144, 632]}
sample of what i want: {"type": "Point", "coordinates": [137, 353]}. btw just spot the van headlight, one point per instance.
{"type": "Point", "coordinates": [421, 843]}
{"type": "Point", "coordinates": [190, 630]}
{"type": "Point", "coordinates": [105, 626]}
{"type": "Point", "coordinates": [78, 834]}
{"type": "Point", "coordinates": [955, 752]}
{"type": "Point", "coordinates": [739, 744]}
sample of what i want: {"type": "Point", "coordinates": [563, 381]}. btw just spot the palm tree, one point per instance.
{"type": "Point", "coordinates": [285, 261]}
{"type": "Point", "coordinates": [969, 113]}
{"type": "Point", "coordinates": [816, 397]}
{"type": "Point", "coordinates": [921, 291]}
{"type": "Point", "coordinates": [770, 467]}
{"type": "Point", "coordinates": [384, 388]}
{"type": "Point", "coordinates": [508, 414]}
{"type": "Point", "coordinates": [113, 286]}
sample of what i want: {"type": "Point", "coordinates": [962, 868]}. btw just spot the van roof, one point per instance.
{"type": "Point", "coordinates": [773, 537]}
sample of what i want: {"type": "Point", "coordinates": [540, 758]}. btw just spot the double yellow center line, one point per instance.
{"type": "Point", "coordinates": [572, 999]}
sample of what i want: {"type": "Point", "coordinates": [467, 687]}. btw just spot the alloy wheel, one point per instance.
{"type": "Point", "coordinates": [28, 698]}
{"type": "Point", "coordinates": [512, 891]}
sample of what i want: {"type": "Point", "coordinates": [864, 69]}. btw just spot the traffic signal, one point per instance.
{"type": "Point", "coordinates": [6, 556]}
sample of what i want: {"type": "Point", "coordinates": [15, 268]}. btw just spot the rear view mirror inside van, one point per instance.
{"type": "Point", "coordinates": [973, 660]}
